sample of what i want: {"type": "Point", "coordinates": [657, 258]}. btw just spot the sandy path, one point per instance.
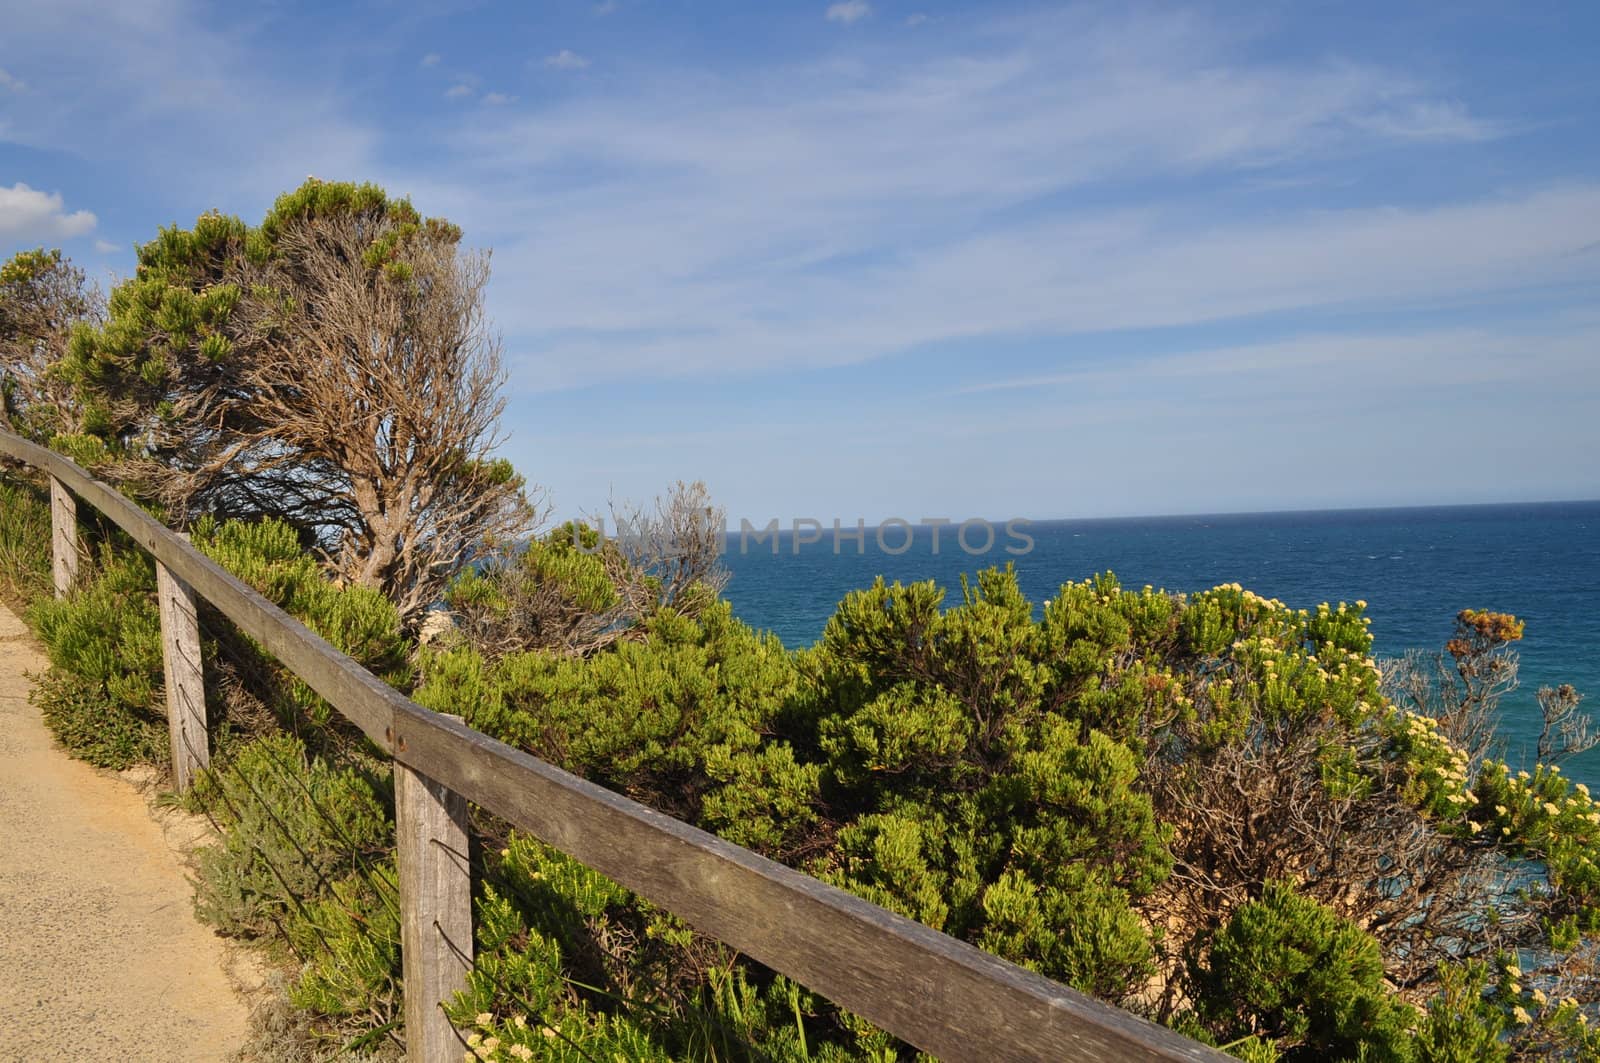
{"type": "Point", "coordinates": [100, 954]}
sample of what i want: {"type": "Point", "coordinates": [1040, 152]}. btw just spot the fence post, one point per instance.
{"type": "Point", "coordinates": [63, 537]}
{"type": "Point", "coordinates": [186, 691]}
{"type": "Point", "coordinates": [435, 909]}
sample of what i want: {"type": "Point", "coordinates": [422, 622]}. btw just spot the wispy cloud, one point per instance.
{"type": "Point", "coordinates": [431, 59]}
{"type": "Point", "coordinates": [118, 98]}
{"type": "Point", "coordinates": [27, 214]}
{"type": "Point", "coordinates": [566, 59]}
{"type": "Point", "coordinates": [848, 11]}
{"type": "Point", "coordinates": [9, 82]}
{"type": "Point", "coordinates": [106, 247]}
{"type": "Point", "coordinates": [497, 99]}
{"type": "Point", "coordinates": [606, 8]}
{"type": "Point", "coordinates": [1307, 366]}
{"type": "Point", "coordinates": [835, 215]}
{"type": "Point", "coordinates": [1445, 120]}
{"type": "Point", "coordinates": [458, 91]}
{"type": "Point", "coordinates": [916, 19]}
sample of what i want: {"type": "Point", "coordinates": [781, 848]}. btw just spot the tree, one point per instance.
{"type": "Point", "coordinates": [332, 367]}
{"type": "Point", "coordinates": [43, 298]}
{"type": "Point", "coordinates": [577, 590]}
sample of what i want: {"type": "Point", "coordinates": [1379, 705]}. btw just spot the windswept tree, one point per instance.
{"type": "Point", "coordinates": [43, 298]}
{"type": "Point", "coordinates": [580, 589]}
{"type": "Point", "coordinates": [332, 367]}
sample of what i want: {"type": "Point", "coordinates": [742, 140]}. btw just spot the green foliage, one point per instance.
{"type": "Point", "coordinates": [294, 826]}
{"type": "Point", "coordinates": [1289, 970]}
{"type": "Point", "coordinates": [351, 934]}
{"type": "Point", "coordinates": [1027, 780]}
{"type": "Point", "coordinates": [270, 557]}
{"type": "Point", "coordinates": [24, 543]}
{"type": "Point", "coordinates": [1462, 1024]}
{"type": "Point", "coordinates": [570, 966]}
{"type": "Point", "coordinates": [103, 695]}
{"type": "Point", "coordinates": [976, 805]}
{"type": "Point", "coordinates": [676, 720]}
{"type": "Point", "coordinates": [167, 334]}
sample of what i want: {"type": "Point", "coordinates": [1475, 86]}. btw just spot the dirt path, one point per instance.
{"type": "Point", "coordinates": [100, 954]}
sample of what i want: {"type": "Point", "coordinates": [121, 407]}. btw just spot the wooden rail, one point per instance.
{"type": "Point", "coordinates": [939, 994]}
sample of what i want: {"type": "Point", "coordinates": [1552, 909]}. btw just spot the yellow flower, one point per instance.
{"type": "Point", "coordinates": [522, 1051]}
{"type": "Point", "coordinates": [1521, 1014]}
{"type": "Point", "coordinates": [485, 1019]}
{"type": "Point", "coordinates": [548, 1032]}
{"type": "Point", "coordinates": [491, 1043]}
{"type": "Point", "coordinates": [1538, 996]}
{"type": "Point", "coordinates": [521, 1022]}
{"type": "Point", "coordinates": [1551, 810]}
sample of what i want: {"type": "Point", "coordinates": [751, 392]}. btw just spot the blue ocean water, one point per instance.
{"type": "Point", "coordinates": [1416, 568]}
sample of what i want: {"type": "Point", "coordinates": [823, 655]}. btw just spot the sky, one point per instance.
{"type": "Point", "coordinates": [906, 258]}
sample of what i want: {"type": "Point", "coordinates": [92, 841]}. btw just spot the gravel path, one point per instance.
{"type": "Point", "coordinates": [100, 954]}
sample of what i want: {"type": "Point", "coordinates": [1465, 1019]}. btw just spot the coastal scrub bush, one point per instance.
{"type": "Point", "coordinates": [24, 542]}
{"type": "Point", "coordinates": [103, 693]}
{"type": "Point", "coordinates": [292, 824]}
{"type": "Point", "coordinates": [577, 591]}
{"type": "Point", "coordinates": [676, 719]}
{"type": "Point", "coordinates": [303, 863]}
{"type": "Point", "coordinates": [271, 557]}
{"type": "Point", "coordinates": [1288, 970]}
{"type": "Point", "coordinates": [1201, 807]}
{"type": "Point", "coordinates": [571, 966]}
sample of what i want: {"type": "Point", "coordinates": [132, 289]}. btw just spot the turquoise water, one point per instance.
{"type": "Point", "coordinates": [1416, 568]}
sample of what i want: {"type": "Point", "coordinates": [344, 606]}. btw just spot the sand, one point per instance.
{"type": "Point", "coordinates": [100, 954]}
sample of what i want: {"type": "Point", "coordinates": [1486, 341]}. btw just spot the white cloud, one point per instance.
{"type": "Point", "coordinates": [431, 59]}
{"type": "Point", "coordinates": [458, 91]}
{"type": "Point", "coordinates": [605, 8]}
{"type": "Point", "coordinates": [106, 247]}
{"type": "Point", "coordinates": [916, 19]}
{"type": "Point", "coordinates": [827, 214]}
{"type": "Point", "coordinates": [7, 81]}
{"type": "Point", "coordinates": [244, 134]}
{"type": "Point", "coordinates": [27, 215]}
{"type": "Point", "coordinates": [497, 99]}
{"type": "Point", "coordinates": [1430, 120]}
{"type": "Point", "coordinates": [566, 59]}
{"type": "Point", "coordinates": [848, 11]}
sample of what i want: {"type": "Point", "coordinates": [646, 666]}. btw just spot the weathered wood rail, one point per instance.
{"type": "Point", "coordinates": [939, 994]}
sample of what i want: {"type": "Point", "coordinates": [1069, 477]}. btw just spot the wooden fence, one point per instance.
{"type": "Point", "coordinates": [939, 994]}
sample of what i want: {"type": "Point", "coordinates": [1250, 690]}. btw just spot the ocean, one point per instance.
{"type": "Point", "coordinates": [1416, 568]}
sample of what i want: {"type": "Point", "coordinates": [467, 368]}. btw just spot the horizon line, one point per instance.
{"type": "Point", "coordinates": [919, 524]}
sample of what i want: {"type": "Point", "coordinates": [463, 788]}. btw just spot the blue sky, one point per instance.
{"type": "Point", "coordinates": [910, 258]}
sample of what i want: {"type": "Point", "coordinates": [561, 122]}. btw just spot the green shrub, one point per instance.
{"type": "Point", "coordinates": [570, 966]}
{"type": "Point", "coordinates": [24, 543]}
{"type": "Point", "coordinates": [293, 826]}
{"type": "Point", "coordinates": [677, 720]}
{"type": "Point", "coordinates": [1291, 971]}
{"type": "Point", "coordinates": [103, 696]}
